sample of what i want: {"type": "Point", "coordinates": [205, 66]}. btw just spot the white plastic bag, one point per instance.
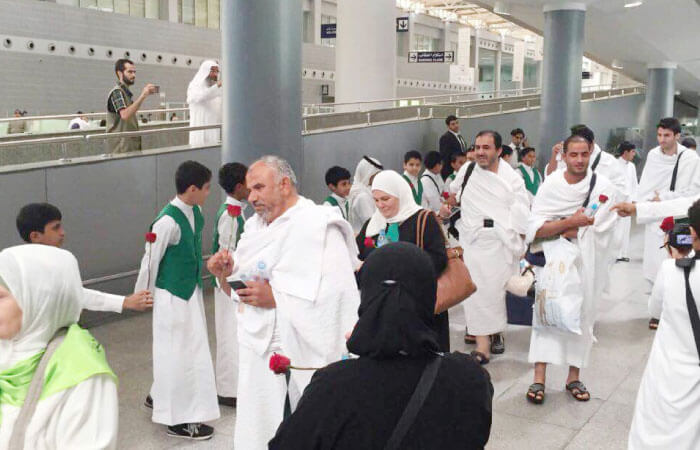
{"type": "Point", "coordinates": [559, 290]}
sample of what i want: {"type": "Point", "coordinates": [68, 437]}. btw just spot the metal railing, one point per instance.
{"type": "Point", "coordinates": [64, 148]}
{"type": "Point", "coordinates": [100, 115]}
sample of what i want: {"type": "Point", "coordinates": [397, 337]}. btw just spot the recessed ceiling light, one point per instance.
{"type": "Point", "coordinates": [633, 4]}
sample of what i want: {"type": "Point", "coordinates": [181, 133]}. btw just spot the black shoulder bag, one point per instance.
{"type": "Point", "coordinates": [675, 172]}
{"type": "Point", "coordinates": [687, 265]}
{"type": "Point", "coordinates": [452, 229]}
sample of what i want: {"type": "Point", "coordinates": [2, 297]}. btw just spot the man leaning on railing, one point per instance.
{"type": "Point", "coordinates": [122, 109]}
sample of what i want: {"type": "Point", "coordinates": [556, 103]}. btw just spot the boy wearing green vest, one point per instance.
{"type": "Point", "coordinates": [527, 170]}
{"type": "Point", "coordinates": [412, 165]}
{"type": "Point", "coordinates": [338, 181]}
{"type": "Point", "coordinates": [230, 223]}
{"type": "Point", "coordinates": [183, 394]}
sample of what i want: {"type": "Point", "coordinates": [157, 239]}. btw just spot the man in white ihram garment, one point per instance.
{"type": "Point", "coordinates": [40, 294]}
{"type": "Point", "coordinates": [666, 414]}
{"type": "Point", "coordinates": [658, 183]}
{"type": "Point", "coordinates": [204, 97]}
{"type": "Point", "coordinates": [361, 199]}
{"type": "Point", "coordinates": [297, 260]}
{"type": "Point", "coordinates": [495, 208]}
{"type": "Point", "coordinates": [558, 214]}
{"type": "Point", "coordinates": [626, 152]}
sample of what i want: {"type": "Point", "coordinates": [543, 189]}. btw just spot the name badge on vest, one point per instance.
{"type": "Point", "coordinates": [488, 223]}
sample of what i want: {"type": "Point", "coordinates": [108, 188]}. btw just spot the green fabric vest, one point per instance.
{"type": "Point", "coordinates": [78, 358]}
{"type": "Point", "coordinates": [115, 124]}
{"type": "Point", "coordinates": [417, 194]}
{"type": "Point", "coordinates": [180, 270]}
{"type": "Point", "coordinates": [330, 199]}
{"type": "Point", "coordinates": [452, 176]}
{"type": "Point", "coordinates": [531, 185]}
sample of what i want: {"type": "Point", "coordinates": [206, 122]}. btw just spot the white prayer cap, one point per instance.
{"type": "Point", "coordinates": [393, 184]}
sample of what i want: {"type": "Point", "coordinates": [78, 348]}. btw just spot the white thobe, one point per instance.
{"type": "Point", "coordinates": [676, 208]}
{"type": "Point", "coordinates": [666, 414]}
{"type": "Point", "coordinates": [184, 388]}
{"type": "Point", "coordinates": [225, 313]}
{"type": "Point", "coordinates": [624, 225]}
{"type": "Point", "coordinates": [82, 124]}
{"type": "Point", "coordinates": [86, 416]}
{"type": "Point", "coordinates": [309, 256]}
{"type": "Point", "coordinates": [514, 160]}
{"type": "Point", "coordinates": [206, 109]}
{"type": "Point", "coordinates": [102, 301]}
{"type": "Point", "coordinates": [361, 208]}
{"type": "Point", "coordinates": [433, 186]}
{"type": "Point", "coordinates": [556, 199]}
{"type": "Point", "coordinates": [492, 255]}
{"type": "Point", "coordinates": [656, 178]}
{"type": "Point", "coordinates": [343, 203]}
{"type": "Point", "coordinates": [414, 187]}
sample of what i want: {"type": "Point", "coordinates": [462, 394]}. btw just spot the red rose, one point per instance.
{"type": "Point", "coordinates": [369, 242]}
{"type": "Point", "coordinates": [279, 364]}
{"type": "Point", "coordinates": [150, 237]}
{"type": "Point", "coordinates": [667, 224]}
{"type": "Point", "coordinates": [602, 198]}
{"type": "Point", "coordinates": [445, 195]}
{"type": "Point", "coordinates": [233, 210]}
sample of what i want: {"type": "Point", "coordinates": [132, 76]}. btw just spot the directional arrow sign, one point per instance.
{"type": "Point", "coordinates": [401, 24]}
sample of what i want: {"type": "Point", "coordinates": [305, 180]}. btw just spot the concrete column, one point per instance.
{"type": "Point", "coordinates": [317, 21]}
{"type": "Point", "coordinates": [497, 70]}
{"type": "Point", "coordinates": [561, 84]}
{"type": "Point", "coordinates": [659, 101]}
{"type": "Point", "coordinates": [365, 50]}
{"type": "Point", "coordinates": [697, 123]}
{"type": "Point", "coordinates": [261, 75]}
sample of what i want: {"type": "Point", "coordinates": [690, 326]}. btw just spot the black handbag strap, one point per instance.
{"type": "Point", "coordinates": [692, 307]}
{"type": "Point", "coordinates": [415, 403]}
{"type": "Point", "coordinates": [675, 172]}
{"type": "Point", "coordinates": [596, 161]}
{"type": "Point", "coordinates": [425, 175]}
{"type": "Point", "coordinates": [590, 189]}
{"type": "Point", "coordinates": [467, 175]}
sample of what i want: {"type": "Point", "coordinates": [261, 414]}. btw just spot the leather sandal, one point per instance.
{"type": "Point", "coordinates": [535, 393]}
{"type": "Point", "coordinates": [578, 391]}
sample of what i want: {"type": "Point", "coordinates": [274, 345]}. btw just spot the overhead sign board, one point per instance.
{"type": "Point", "coordinates": [328, 31]}
{"type": "Point", "coordinates": [402, 24]}
{"type": "Point", "coordinates": [431, 57]}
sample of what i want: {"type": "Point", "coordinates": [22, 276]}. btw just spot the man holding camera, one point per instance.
{"type": "Point", "coordinates": [122, 108]}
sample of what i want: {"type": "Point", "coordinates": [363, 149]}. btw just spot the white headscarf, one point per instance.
{"type": "Point", "coordinates": [46, 283]}
{"type": "Point", "coordinates": [199, 83]}
{"type": "Point", "coordinates": [393, 184]}
{"type": "Point", "coordinates": [363, 172]}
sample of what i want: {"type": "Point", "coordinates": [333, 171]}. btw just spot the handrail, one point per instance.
{"type": "Point", "coordinates": [74, 115]}
{"type": "Point", "coordinates": [91, 137]}
{"type": "Point", "coordinates": [107, 135]}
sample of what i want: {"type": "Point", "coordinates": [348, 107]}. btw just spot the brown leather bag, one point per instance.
{"type": "Point", "coordinates": [455, 283]}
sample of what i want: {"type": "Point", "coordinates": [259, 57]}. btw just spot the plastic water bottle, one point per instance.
{"type": "Point", "coordinates": [381, 240]}
{"type": "Point", "coordinates": [260, 272]}
{"type": "Point", "coordinates": [592, 209]}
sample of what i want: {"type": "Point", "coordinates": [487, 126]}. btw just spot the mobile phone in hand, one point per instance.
{"type": "Point", "coordinates": [156, 89]}
{"type": "Point", "coordinates": [237, 284]}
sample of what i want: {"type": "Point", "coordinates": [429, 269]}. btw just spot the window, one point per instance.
{"type": "Point", "coordinates": [307, 27]}
{"type": "Point", "coordinates": [424, 43]}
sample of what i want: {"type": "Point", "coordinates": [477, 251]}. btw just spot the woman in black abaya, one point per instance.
{"type": "Point", "coordinates": [356, 404]}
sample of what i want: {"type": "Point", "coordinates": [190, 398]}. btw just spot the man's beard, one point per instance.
{"type": "Point", "coordinates": [129, 83]}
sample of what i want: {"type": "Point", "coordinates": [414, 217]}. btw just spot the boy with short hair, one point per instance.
{"type": "Point", "coordinates": [530, 174]}
{"type": "Point", "coordinates": [412, 162]}
{"type": "Point", "coordinates": [338, 181]}
{"type": "Point", "coordinates": [229, 226]}
{"type": "Point", "coordinates": [41, 223]}
{"type": "Point", "coordinates": [434, 184]}
{"type": "Point", "coordinates": [183, 394]}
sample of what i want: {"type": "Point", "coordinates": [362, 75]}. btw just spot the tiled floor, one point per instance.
{"type": "Point", "coordinates": [613, 377]}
